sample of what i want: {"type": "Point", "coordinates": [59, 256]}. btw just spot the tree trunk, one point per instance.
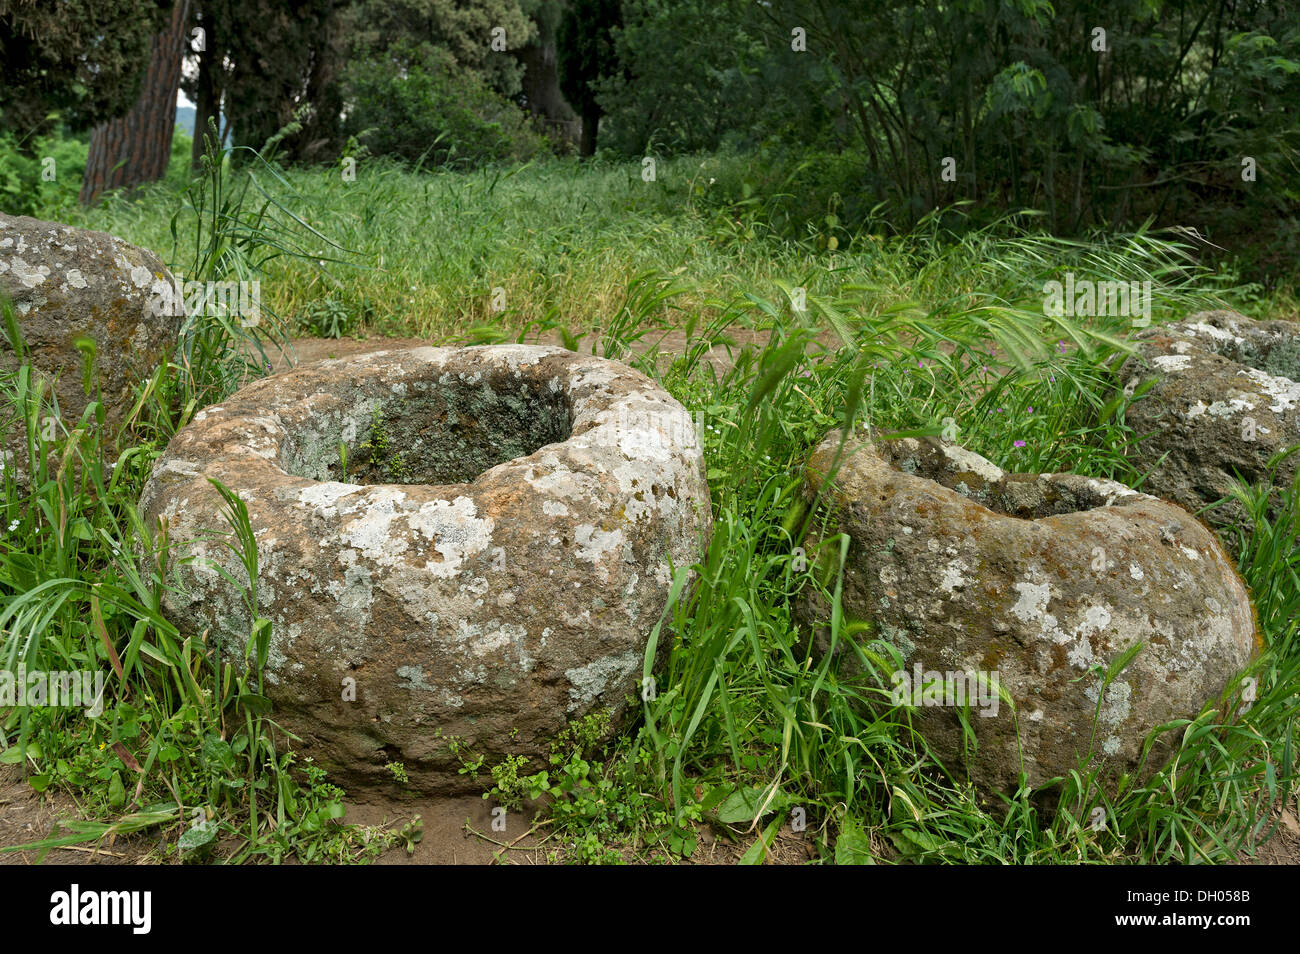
{"type": "Point", "coordinates": [590, 123]}
{"type": "Point", "coordinates": [207, 97]}
{"type": "Point", "coordinates": [542, 92]}
{"type": "Point", "coordinates": [134, 149]}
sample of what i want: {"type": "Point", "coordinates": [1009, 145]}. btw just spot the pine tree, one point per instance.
{"type": "Point", "coordinates": [77, 60]}
{"type": "Point", "coordinates": [134, 149]}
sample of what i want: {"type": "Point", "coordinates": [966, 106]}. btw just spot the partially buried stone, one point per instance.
{"type": "Point", "coordinates": [1220, 397]}
{"type": "Point", "coordinates": [77, 295]}
{"type": "Point", "coordinates": [1039, 583]}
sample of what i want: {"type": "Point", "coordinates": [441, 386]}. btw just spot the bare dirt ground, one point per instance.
{"type": "Point", "coordinates": [454, 831]}
{"type": "Point", "coordinates": [1284, 847]}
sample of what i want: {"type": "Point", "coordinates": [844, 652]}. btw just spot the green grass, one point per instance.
{"type": "Point", "coordinates": [921, 333]}
{"type": "Point", "coordinates": [562, 241]}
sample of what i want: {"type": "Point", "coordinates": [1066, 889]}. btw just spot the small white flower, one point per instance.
{"type": "Point", "coordinates": [13, 526]}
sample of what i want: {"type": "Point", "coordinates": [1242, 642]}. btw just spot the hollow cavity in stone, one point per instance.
{"type": "Point", "coordinates": [447, 430]}
{"type": "Point", "coordinates": [1026, 496]}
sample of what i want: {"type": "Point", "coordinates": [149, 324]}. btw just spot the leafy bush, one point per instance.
{"type": "Point", "coordinates": [44, 183]}
{"type": "Point", "coordinates": [426, 112]}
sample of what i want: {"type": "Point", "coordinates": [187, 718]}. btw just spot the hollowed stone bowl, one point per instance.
{"type": "Point", "coordinates": [1037, 582]}
{"type": "Point", "coordinates": [1222, 398]}
{"type": "Point", "coordinates": [459, 550]}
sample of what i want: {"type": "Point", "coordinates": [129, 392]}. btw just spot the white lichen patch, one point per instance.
{"type": "Point", "coordinates": [370, 530]}
{"type": "Point", "coordinates": [557, 480]}
{"type": "Point", "coordinates": [412, 677]}
{"type": "Point", "coordinates": [1283, 392]}
{"type": "Point", "coordinates": [185, 468]}
{"type": "Point", "coordinates": [1110, 490]}
{"type": "Point", "coordinates": [594, 544]}
{"type": "Point", "coordinates": [325, 495]}
{"type": "Point", "coordinates": [1218, 334]}
{"type": "Point", "coordinates": [494, 638]}
{"type": "Point", "coordinates": [1080, 654]}
{"type": "Point", "coordinates": [953, 576]}
{"type": "Point", "coordinates": [1031, 607]}
{"type": "Point", "coordinates": [28, 275]}
{"type": "Point", "coordinates": [456, 530]}
{"type": "Point", "coordinates": [1172, 362]}
{"type": "Point", "coordinates": [590, 682]}
{"type": "Point", "coordinates": [965, 460]}
{"type": "Point", "coordinates": [1220, 409]}
{"type": "Point", "coordinates": [1095, 619]}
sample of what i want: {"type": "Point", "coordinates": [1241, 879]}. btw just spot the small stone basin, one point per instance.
{"type": "Point", "coordinates": [1038, 583]}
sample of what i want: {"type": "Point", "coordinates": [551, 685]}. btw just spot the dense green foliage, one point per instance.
{"type": "Point", "coordinates": [1096, 113]}
{"type": "Point", "coordinates": [474, 37]}
{"type": "Point", "coordinates": [714, 66]}
{"type": "Point", "coordinates": [80, 59]}
{"type": "Point", "coordinates": [278, 62]}
{"type": "Point", "coordinates": [421, 111]}
{"type": "Point", "coordinates": [45, 184]}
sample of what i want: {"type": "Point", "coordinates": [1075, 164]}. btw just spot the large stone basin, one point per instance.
{"type": "Point", "coordinates": [482, 561]}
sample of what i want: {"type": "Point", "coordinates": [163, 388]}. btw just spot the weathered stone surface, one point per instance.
{"type": "Point", "coordinates": [1042, 579]}
{"type": "Point", "coordinates": [1225, 399]}
{"type": "Point", "coordinates": [68, 283]}
{"type": "Point", "coordinates": [502, 581]}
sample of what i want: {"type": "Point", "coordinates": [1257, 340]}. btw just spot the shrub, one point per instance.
{"type": "Point", "coordinates": [426, 112]}
{"type": "Point", "coordinates": [31, 185]}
